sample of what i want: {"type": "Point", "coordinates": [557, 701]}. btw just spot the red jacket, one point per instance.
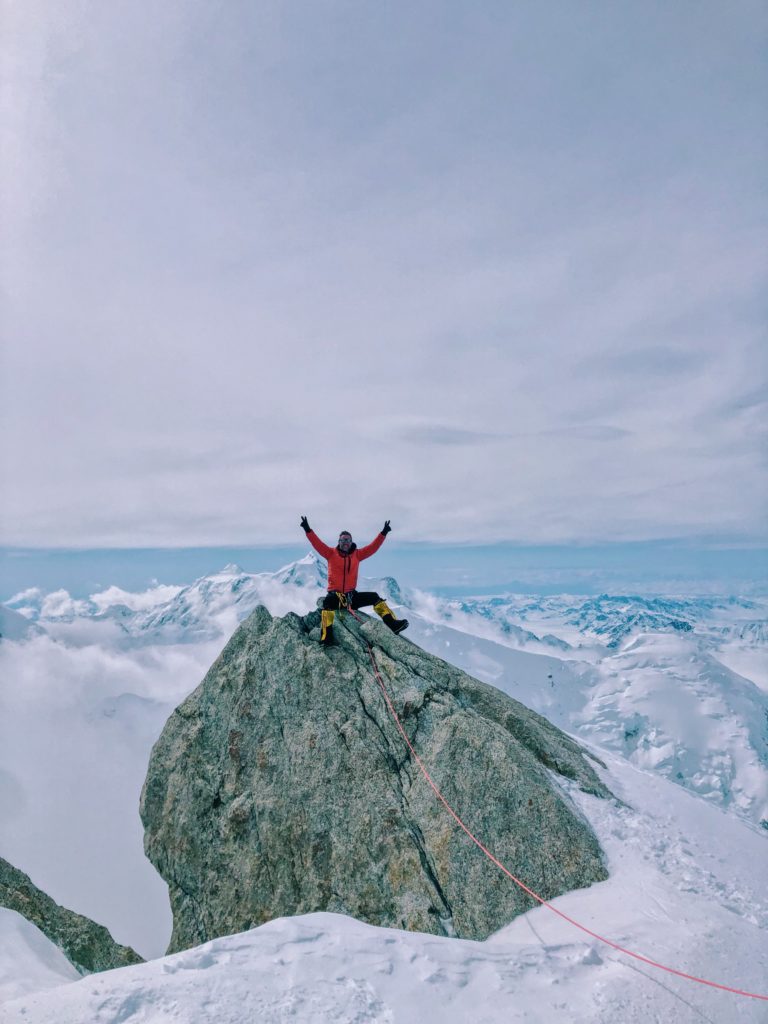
{"type": "Point", "coordinates": [342, 569]}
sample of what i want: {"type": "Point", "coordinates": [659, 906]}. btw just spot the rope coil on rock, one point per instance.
{"type": "Point", "coordinates": [508, 873]}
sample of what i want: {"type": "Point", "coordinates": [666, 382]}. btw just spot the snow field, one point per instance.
{"type": "Point", "coordinates": [29, 961]}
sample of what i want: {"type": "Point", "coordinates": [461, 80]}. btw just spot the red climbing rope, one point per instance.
{"type": "Point", "coordinates": [508, 873]}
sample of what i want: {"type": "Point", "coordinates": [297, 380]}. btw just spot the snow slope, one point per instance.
{"type": "Point", "coordinates": [29, 961]}
{"type": "Point", "coordinates": [682, 890]}
{"type": "Point", "coordinates": [663, 700]}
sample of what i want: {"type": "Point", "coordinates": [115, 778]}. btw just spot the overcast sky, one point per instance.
{"type": "Point", "coordinates": [492, 270]}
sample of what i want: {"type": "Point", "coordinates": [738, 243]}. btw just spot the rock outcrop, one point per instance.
{"type": "Point", "coordinates": [281, 786]}
{"type": "Point", "coordinates": [87, 945]}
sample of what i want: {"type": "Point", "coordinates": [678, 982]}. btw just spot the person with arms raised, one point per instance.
{"type": "Point", "coordinates": [343, 563]}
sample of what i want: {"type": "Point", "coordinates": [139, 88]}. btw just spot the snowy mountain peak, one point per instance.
{"type": "Point", "coordinates": [230, 569]}
{"type": "Point", "coordinates": [307, 571]}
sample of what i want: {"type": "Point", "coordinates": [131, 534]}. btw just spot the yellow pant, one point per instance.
{"type": "Point", "coordinates": [326, 620]}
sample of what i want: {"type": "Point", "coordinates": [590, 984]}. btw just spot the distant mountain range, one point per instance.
{"type": "Point", "coordinates": [190, 613]}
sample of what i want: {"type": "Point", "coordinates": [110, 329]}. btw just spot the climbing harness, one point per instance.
{"type": "Point", "coordinates": [507, 872]}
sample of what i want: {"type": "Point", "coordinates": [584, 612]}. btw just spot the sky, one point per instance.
{"type": "Point", "coordinates": [492, 271]}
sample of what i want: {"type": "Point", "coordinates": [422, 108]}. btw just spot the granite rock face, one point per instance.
{"type": "Point", "coordinates": [87, 945]}
{"type": "Point", "coordinates": [282, 786]}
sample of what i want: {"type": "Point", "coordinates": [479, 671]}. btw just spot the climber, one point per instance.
{"type": "Point", "coordinates": [343, 561]}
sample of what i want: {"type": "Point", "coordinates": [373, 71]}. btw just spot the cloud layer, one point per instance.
{"type": "Point", "coordinates": [488, 270]}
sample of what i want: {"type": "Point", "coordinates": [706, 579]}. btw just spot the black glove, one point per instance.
{"type": "Point", "coordinates": [305, 525]}
{"type": "Point", "coordinates": [387, 528]}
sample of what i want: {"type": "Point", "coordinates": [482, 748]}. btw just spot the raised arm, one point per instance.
{"type": "Point", "coordinates": [373, 547]}
{"type": "Point", "coordinates": [314, 540]}
{"type": "Point", "coordinates": [317, 544]}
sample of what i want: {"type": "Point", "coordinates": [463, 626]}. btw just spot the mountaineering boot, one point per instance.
{"type": "Point", "coordinates": [396, 625]}
{"type": "Point", "coordinates": [326, 627]}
